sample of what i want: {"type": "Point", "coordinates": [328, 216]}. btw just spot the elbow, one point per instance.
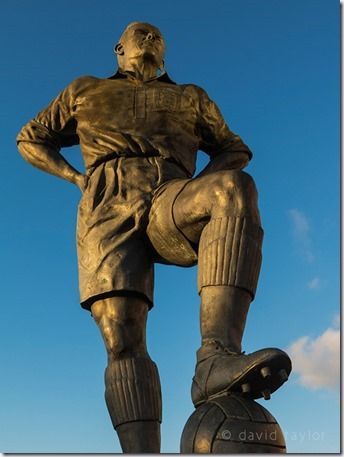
{"type": "Point", "coordinates": [244, 161]}
{"type": "Point", "coordinates": [29, 152]}
{"type": "Point", "coordinates": [23, 150]}
{"type": "Point", "coordinates": [22, 144]}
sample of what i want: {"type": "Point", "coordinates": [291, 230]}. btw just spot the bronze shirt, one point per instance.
{"type": "Point", "coordinates": [121, 116]}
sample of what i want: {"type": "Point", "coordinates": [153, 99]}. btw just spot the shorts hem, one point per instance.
{"type": "Point", "coordinates": [168, 240]}
{"type": "Point", "coordinates": [86, 304]}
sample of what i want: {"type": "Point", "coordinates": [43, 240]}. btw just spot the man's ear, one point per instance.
{"type": "Point", "coordinates": [119, 49]}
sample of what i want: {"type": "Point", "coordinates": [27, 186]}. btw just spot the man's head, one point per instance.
{"type": "Point", "coordinates": [140, 42]}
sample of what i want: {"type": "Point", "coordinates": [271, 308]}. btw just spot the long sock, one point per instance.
{"type": "Point", "coordinates": [133, 390]}
{"type": "Point", "coordinates": [230, 253]}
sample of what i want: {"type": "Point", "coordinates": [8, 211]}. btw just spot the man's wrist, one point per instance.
{"type": "Point", "coordinates": [73, 176]}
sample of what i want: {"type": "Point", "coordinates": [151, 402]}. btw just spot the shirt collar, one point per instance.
{"type": "Point", "coordinates": [163, 77]}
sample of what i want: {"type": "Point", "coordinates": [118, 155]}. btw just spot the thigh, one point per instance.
{"type": "Point", "coordinates": [177, 217]}
{"type": "Point", "coordinates": [184, 206]}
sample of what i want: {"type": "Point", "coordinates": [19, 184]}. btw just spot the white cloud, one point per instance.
{"type": "Point", "coordinates": [314, 284]}
{"type": "Point", "coordinates": [301, 232]}
{"type": "Point", "coordinates": [317, 361]}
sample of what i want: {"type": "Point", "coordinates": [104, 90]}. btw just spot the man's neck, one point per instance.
{"type": "Point", "coordinates": [143, 70]}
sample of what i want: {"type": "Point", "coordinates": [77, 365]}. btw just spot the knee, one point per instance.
{"type": "Point", "coordinates": [122, 334]}
{"type": "Point", "coordinates": [114, 335]}
{"type": "Point", "coordinates": [234, 191]}
{"type": "Point", "coordinates": [234, 182]}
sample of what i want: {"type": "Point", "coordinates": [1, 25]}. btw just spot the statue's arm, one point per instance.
{"type": "Point", "coordinates": [226, 149]}
{"type": "Point", "coordinates": [48, 159]}
{"type": "Point", "coordinates": [41, 139]}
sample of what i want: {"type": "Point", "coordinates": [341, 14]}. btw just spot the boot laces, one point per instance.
{"type": "Point", "coordinates": [220, 347]}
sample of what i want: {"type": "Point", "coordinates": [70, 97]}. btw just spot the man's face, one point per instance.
{"type": "Point", "coordinates": [142, 40]}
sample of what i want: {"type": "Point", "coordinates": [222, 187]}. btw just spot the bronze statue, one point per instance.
{"type": "Point", "coordinates": [139, 134]}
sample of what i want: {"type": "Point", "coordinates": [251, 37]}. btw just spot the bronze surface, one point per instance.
{"type": "Point", "coordinates": [139, 133]}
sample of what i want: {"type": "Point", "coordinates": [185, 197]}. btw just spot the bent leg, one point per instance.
{"type": "Point", "coordinates": [219, 211]}
{"type": "Point", "coordinates": [132, 394]}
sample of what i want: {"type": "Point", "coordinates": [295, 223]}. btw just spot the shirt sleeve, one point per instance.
{"type": "Point", "coordinates": [54, 126]}
{"type": "Point", "coordinates": [215, 136]}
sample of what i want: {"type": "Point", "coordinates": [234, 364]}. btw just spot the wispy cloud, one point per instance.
{"type": "Point", "coordinates": [317, 361]}
{"type": "Point", "coordinates": [301, 232]}
{"type": "Point", "coordinates": [301, 224]}
{"type": "Point", "coordinates": [314, 284]}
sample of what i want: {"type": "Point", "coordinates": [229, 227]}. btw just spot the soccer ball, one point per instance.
{"type": "Point", "coordinates": [232, 424]}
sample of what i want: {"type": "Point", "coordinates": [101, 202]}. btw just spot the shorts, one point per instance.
{"type": "Point", "coordinates": [125, 225]}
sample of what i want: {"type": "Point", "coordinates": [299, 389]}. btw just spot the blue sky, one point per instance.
{"type": "Point", "coordinates": [273, 68]}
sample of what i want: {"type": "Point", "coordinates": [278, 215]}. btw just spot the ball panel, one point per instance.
{"type": "Point", "coordinates": [232, 447]}
{"type": "Point", "coordinates": [231, 407]}
{"type": "Point", "coordinates": [191, 427]}
{"type": "Point", "coordinates": [254, 410]}
{"type": "Point", "coordinates": [207, 430]}
{"type": "Point", "coordinates": [251, 432]}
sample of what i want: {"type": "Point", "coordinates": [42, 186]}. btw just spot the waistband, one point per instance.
{"type": "Point", "coordinates": [132, 155]}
